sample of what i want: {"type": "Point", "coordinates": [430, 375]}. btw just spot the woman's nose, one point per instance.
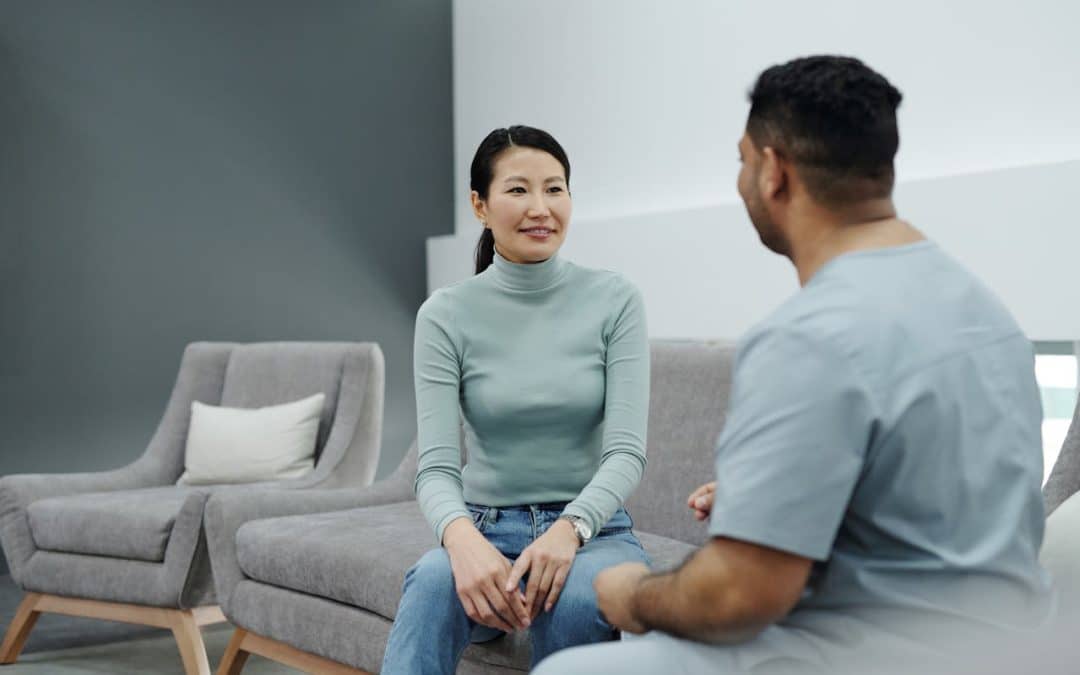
{"type": "Point", "coordinates": [538, 208]}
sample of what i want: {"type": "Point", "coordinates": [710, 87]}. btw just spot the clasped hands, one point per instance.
{"type": "Point", "coordinates": [489, 586]}
{"type": "Point", "coordinates": [615, 586]}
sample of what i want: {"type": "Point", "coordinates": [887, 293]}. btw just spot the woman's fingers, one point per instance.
{"type": "Point", "coordinates": [532, 591]}
{"type": "Point", "coordinates": [479, 610]}
{"type": "Point", "coordinates": [515, 602]}
{"type": "Point", "coordinates": [543, 578]}
{"type": "Point", "coordinates": [499, 614]}
{"type": "Point", "coordinates": [501, 604]}
{"type": "Point", "coordinates": [521, 566]}
{"type": "Point", "coordinates": [556, 587]}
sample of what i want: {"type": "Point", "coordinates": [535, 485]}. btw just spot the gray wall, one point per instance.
{"type": "Point", "coordinates": [179, 171]}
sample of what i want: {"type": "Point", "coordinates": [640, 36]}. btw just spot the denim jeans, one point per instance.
{"type": "Point", "coordinates": [432, 630]}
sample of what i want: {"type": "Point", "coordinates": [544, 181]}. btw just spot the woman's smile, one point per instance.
{"type": "Point", "coordinates": [539, 233]}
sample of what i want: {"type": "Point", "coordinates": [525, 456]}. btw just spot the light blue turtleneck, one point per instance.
{"type": "Point", "coordinates": [548, 363]}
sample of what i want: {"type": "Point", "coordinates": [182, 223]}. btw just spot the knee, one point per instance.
{"type": "Point", "coordinates": [576, 613]}
{"type": "Point", "coordinates": [431, 574]}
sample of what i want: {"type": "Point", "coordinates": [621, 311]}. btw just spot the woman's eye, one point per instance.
{"type": "Point", "coordinates": [517, 190]}
{"type": "Point", "coordinates": [554, 189]}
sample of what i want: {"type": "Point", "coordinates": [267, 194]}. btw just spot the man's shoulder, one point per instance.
{"type": "Point", "coordinates": [820, 312]}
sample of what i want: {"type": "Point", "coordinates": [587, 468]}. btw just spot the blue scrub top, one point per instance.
{"type": "Point", "coordinates": [885, 422]}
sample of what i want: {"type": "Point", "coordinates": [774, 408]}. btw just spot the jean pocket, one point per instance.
{"type": "Point", "coordinates": [619, 523]}
{"type": "Point", "coordinates": [479, 516]}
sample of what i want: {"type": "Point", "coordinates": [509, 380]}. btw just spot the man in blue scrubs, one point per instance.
{"type": "Point", "coordinates": [877, 496]}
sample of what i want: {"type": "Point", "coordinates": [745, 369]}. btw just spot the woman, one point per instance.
{"type": "Point", "coordinates": [548, 363]}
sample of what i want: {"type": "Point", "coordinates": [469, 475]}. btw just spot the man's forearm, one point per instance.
{"type": "Point", "coordinates": [693, 602]}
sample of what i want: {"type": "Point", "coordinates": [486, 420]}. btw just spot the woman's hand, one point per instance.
{"type": "Point", "coordinates": [547, 561]}
{"type": "Point", "coordinates": [700, 500]}
{"type": "Point", "coordinates": [480, 574]}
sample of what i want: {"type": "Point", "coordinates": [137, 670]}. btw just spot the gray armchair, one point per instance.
{"type": "Point", "coordinates": [313, 579]}
{"type": "Point", "coordinates": [129, 545]}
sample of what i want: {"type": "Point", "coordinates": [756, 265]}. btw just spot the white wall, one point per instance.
{"type": "Point", "coordinates": [649, 99]}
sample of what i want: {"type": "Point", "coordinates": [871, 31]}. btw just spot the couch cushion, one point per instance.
{"type": "Point", "coordinates": [359, 557]}
{"type": "Point", "coordinates": [665, 553]}
{"type": "Point", "coordinates": [1060, 553]}
{"type": "Point", "coordinates": [131, 524]}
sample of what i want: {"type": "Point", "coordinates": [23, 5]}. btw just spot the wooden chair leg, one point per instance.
{"type": "Point", "coordinates": [189, 640]}
{"type": "Point", "coordinates": [25, 617]}
{"type": "Point", "coordinates": [235, 657]}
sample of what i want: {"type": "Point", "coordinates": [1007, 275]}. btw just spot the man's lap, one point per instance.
{"type": "Point", "coordinates": [776, 651]}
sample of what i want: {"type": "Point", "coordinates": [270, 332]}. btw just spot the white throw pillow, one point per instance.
{"type": "Point", "coordinates": [249, 445]}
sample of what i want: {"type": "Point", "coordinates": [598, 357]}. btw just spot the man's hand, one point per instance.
{"type": "Point", "coordinates": [700, 500]}
{"type": "Point", "coordinates": [480, 573]}
{"type": "Point", "coordinates": [547, 561]}
{"type": "Point", "coordinates": [615, 588]}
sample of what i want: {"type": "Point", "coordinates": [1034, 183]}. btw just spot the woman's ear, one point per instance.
{"type": "Point", "coordinates": [479, 207]}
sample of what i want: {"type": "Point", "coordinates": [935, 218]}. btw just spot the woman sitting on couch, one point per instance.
{"type": "Point", "coordinates": [548, 362]}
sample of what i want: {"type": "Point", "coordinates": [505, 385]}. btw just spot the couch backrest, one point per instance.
{"type": "Point", "coordinates": [1064, 479]}
{"type": "Point", "coordinates": [270, 373]}
{"type": "Point", "coordinates": [691, 383]}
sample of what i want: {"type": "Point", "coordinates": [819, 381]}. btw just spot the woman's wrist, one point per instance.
{"type": "Point", "coordinates": [565, 529]}
{"type": "Point", "coordinates": [458, 531]}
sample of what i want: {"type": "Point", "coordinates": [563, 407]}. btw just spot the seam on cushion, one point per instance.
{"type": "Point", "coordinates": [200, 543]}
{"type": "Point", "coordinates": [191, 566]}
{"type": "Point", "coordinates": [362, 397]}
{"type": "Point", "coordinates": [336, 601]}
{"type": "Point", "coordinates": [337, 406]}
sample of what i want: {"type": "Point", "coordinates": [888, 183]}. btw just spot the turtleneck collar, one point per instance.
{"type": "Point", "coordinates": [527, 277]}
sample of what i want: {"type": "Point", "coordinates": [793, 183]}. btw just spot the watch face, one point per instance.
{"type": "Point", "coordinates": [584, 531]}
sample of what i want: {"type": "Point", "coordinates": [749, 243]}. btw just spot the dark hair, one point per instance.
{"type": "Point", "coordinates": [835, 119]}
{"type": "Point", "coordinates": [483, 171]}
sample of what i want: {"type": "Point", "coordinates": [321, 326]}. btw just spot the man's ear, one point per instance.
{"type": "Point", "coordinates": [479, 207]}
{"type": "Point", "coordinates": [774, 177]}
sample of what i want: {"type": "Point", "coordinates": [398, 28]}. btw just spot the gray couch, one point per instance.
{"type": "Point", "coordinates": [129, 544]}
{"type": "Point", "coordinates": [1061, 545]}
{"type": "Point", "coordinates": [314, 579]}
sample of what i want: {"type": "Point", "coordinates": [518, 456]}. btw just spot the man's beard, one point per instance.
{"type": "Point", "coordinates": [768, 232]}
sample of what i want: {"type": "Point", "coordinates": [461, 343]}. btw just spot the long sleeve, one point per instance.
{"type": "Point", "coordinates": [437, 375]}
{"type": "Point", "coordinates": [626, 411]}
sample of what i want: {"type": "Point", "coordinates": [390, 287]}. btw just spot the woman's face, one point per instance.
{"type": "Point", "coordinates": [528, 205]}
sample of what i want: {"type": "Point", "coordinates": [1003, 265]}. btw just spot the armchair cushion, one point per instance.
{"type": "Point", "coordinates": [130, 524]}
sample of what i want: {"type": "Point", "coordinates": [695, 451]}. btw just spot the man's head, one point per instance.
{"type": "Point", "coordinates": [821, 134]}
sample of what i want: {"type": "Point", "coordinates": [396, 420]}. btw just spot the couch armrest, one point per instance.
{"type": "Point", "coordinates": [227, 511]}
{"type": "Point", "coordinates": [18, 491]}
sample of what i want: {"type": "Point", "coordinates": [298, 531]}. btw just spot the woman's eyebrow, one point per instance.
{"type": "Point", "coordinates": [523, 179]}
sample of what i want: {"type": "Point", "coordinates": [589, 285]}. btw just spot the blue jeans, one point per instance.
{"type": "Point", "coordinates": [432, 630]}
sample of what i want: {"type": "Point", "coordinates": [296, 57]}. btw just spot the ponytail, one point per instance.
{"type": "Point", "coordinates": [485, 250]}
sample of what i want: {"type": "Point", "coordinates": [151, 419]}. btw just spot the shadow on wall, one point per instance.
{"type": "Point", "coordinates": [193, 171]}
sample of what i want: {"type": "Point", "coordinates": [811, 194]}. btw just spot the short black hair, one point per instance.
{"type": "Point", "coordinates": [835, 119]}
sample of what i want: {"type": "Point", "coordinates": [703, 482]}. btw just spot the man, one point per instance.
{"type": "Point", "coordinates": [877, 482]}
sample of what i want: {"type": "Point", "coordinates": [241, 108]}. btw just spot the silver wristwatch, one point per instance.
{"type": "Point", "coordinates": [581, 528]}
